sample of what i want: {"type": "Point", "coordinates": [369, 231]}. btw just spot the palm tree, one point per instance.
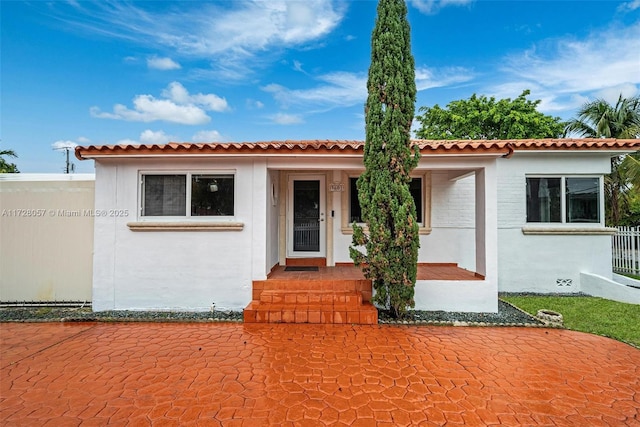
{"type": "Point", "coordinates": [599, 119]}
{"type": "Point", "coordinates": [6, 167]}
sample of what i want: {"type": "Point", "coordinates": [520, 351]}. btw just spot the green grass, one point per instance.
{"type": "Point", "coordinates": [588, 314]}
{"type": "Point", "coordinates": [633, 276]}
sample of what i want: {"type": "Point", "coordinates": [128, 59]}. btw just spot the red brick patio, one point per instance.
{"type": "Point", "coordinates": [142, 374]}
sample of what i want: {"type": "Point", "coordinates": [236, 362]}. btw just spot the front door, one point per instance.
{"type": "Point", "coordinates": [306, 226]}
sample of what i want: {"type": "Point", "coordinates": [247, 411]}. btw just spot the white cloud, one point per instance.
{"type": "Point", "coordinates": [149, 137]}
{"type": "Point", "coordinates": [64, 144]}
{"type": "Point", "coordinates": [207, 136]}
{"type": "Point", "coordinates": [179, 107]}
{"type": "Point", "coordinates": [297, 65]}
{"type": "Point", "coordinates": [343, 89]}
{"type": "Point", "coordinates": [149, 109]}
{"type": "Point", "coordinates": [337, 89]}
{"type": "Point", "coordinates": [158, 63]}
{"type": "Point", "coordinates": [611, 94]}
{"type": "Point", "coordinates": [629, 6]}
{"type": "Point", "coordinates": [430, 7]}
{"type": "Point", "coordinates": [427, 78]}
{"type": "Point", "coordinates": [177, 93]}
{"type": "Point", "coordinates": [252, 103]}
{"type": "Point", "coordinates": [83, 140]}
{"type": "Point", "coordinates": [563, 73]}
{"type": "Point", "coordinates": [231, 34]}
{"type": "Point", "coordinates": [286, 119]}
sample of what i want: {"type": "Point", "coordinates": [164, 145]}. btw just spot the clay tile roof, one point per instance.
{"type": "Point", "coordinates": [427, 147]}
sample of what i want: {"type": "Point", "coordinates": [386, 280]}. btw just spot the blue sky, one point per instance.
{"type": "Point", "coordinates": [75, 72]}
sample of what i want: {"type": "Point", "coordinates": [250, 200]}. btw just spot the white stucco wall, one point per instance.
{"type": "Point", "coordinates": [186, 270]}
{"type": "Point", "coordinates": [473, 295]}
{"type": "Point", "coordinates": [598, 286]}
{"type": "Point", "coordinates": [546, 263]}
{"type": "Point", "coordinates": [273, 198]}
{"type": "Point", "coordinates": [477, 215]}
{"type": "Point", "coordinates": [452, 238]}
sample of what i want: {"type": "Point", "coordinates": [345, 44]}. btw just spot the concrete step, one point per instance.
{"type": "Point", "coordinates": [335, 313]}
{"type": "Point", "coordinates": [313, 286]}
{"type": "Point", "coordinates": [349, 298]}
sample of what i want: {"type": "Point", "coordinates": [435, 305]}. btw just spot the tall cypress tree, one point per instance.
{"type": "Point", "coordinates": [387, 206]}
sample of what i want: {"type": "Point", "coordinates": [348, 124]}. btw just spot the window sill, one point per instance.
{"type": "Point", "coordinates": [423, 231]}
{"type": "Point", "coordinates": [185, 226]}
{"type": "Point", "coordinates": [568, 230]}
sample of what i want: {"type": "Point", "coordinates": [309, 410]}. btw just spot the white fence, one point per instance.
{"type": "Point", "coordinates": [46, 238]}
{"type": "Point", "coordinates": [626, 247]}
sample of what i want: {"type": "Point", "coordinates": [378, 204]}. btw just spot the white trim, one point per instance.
{"type": "Point", "coordinates": [185, 226]}
{"type": "Point", "coordinates": [188, 176]}
{"type": "Point", "coordinates": [583, 231]}
{"type": "Point", "coordinates": [37, 177]}
{"type": "Point", "coordinates": [563, 202]}
{"type": "Point", "coordinates": [613, 153]}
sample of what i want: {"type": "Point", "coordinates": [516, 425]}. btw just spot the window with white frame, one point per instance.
{"type": "Point", "coordinates": [355, 213]}
{"type": "Point", "coordinates": [420, 188]}
{"type": "Point", "coordinates": [187, 195]}
{"type": "Point", "coordinates": [563, 199]}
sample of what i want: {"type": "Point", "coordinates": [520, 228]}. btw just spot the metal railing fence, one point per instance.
{"type": "Point", "coordinates": [626, 247]}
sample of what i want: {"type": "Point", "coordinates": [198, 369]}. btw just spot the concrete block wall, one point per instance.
{"type": "Point", "coordinates": [546, 263]}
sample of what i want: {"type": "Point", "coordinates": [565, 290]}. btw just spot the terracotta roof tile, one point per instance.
{"type": "Point", "coordinates": [427, 147]}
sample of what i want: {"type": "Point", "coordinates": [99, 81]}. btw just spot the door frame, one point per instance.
{"type": "Point", "coordinates": [322, 253]}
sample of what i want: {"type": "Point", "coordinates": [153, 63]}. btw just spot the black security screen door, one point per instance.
{"type": "Point", "coordinates": [306, 216]}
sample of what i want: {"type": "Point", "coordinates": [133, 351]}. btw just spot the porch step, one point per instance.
{"type": "Point", "coordinates": [348, 299]}
{"type": "Point", "coordinates": [313, 286]}
{"type": "Point", "coordinates": [311, 301]}
{"type": "Point", "coordinates": [336, 313]}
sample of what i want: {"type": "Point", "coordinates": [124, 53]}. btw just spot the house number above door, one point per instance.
{"type": "Point", "coordinates": [336, 186]}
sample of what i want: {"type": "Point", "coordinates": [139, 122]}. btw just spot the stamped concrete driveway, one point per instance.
{"type": "Point", "coordinates": [142, 374]}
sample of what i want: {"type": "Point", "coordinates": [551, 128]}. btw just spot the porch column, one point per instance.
{"type": "Point", "coordinates": [259, 221]}
{"type": "Point", "coordinates": [487, 223]}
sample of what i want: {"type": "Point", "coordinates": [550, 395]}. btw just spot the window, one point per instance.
{"type": "Point", "coordinates": [164, 195]}
{"type": "Point", "coordinates": [212, 195]}
{"type": "Point", "coordinates": [543, 200]}
{"type": "Point", "coordinates": [417, 188]}
{"type": "Point", "coordinates": [563, 199]}
{"type": "Point", "coordinates": [583, 200]}
{"type": "Point", "coordinates": [355, 213]}
{"type": "Point", "coordinates": [205, 194]}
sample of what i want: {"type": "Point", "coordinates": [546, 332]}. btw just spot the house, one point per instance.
{"type": "Point", "coordinates": [185, 226]}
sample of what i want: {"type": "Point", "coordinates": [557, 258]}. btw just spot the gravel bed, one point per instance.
{"type": "Point", "coordinates": [507, 315]}
{"type": "Point", "coordinates": [52, 314]}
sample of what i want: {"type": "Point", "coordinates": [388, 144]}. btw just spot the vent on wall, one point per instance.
{"type": "Point", "coordinates": [564, 282]}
